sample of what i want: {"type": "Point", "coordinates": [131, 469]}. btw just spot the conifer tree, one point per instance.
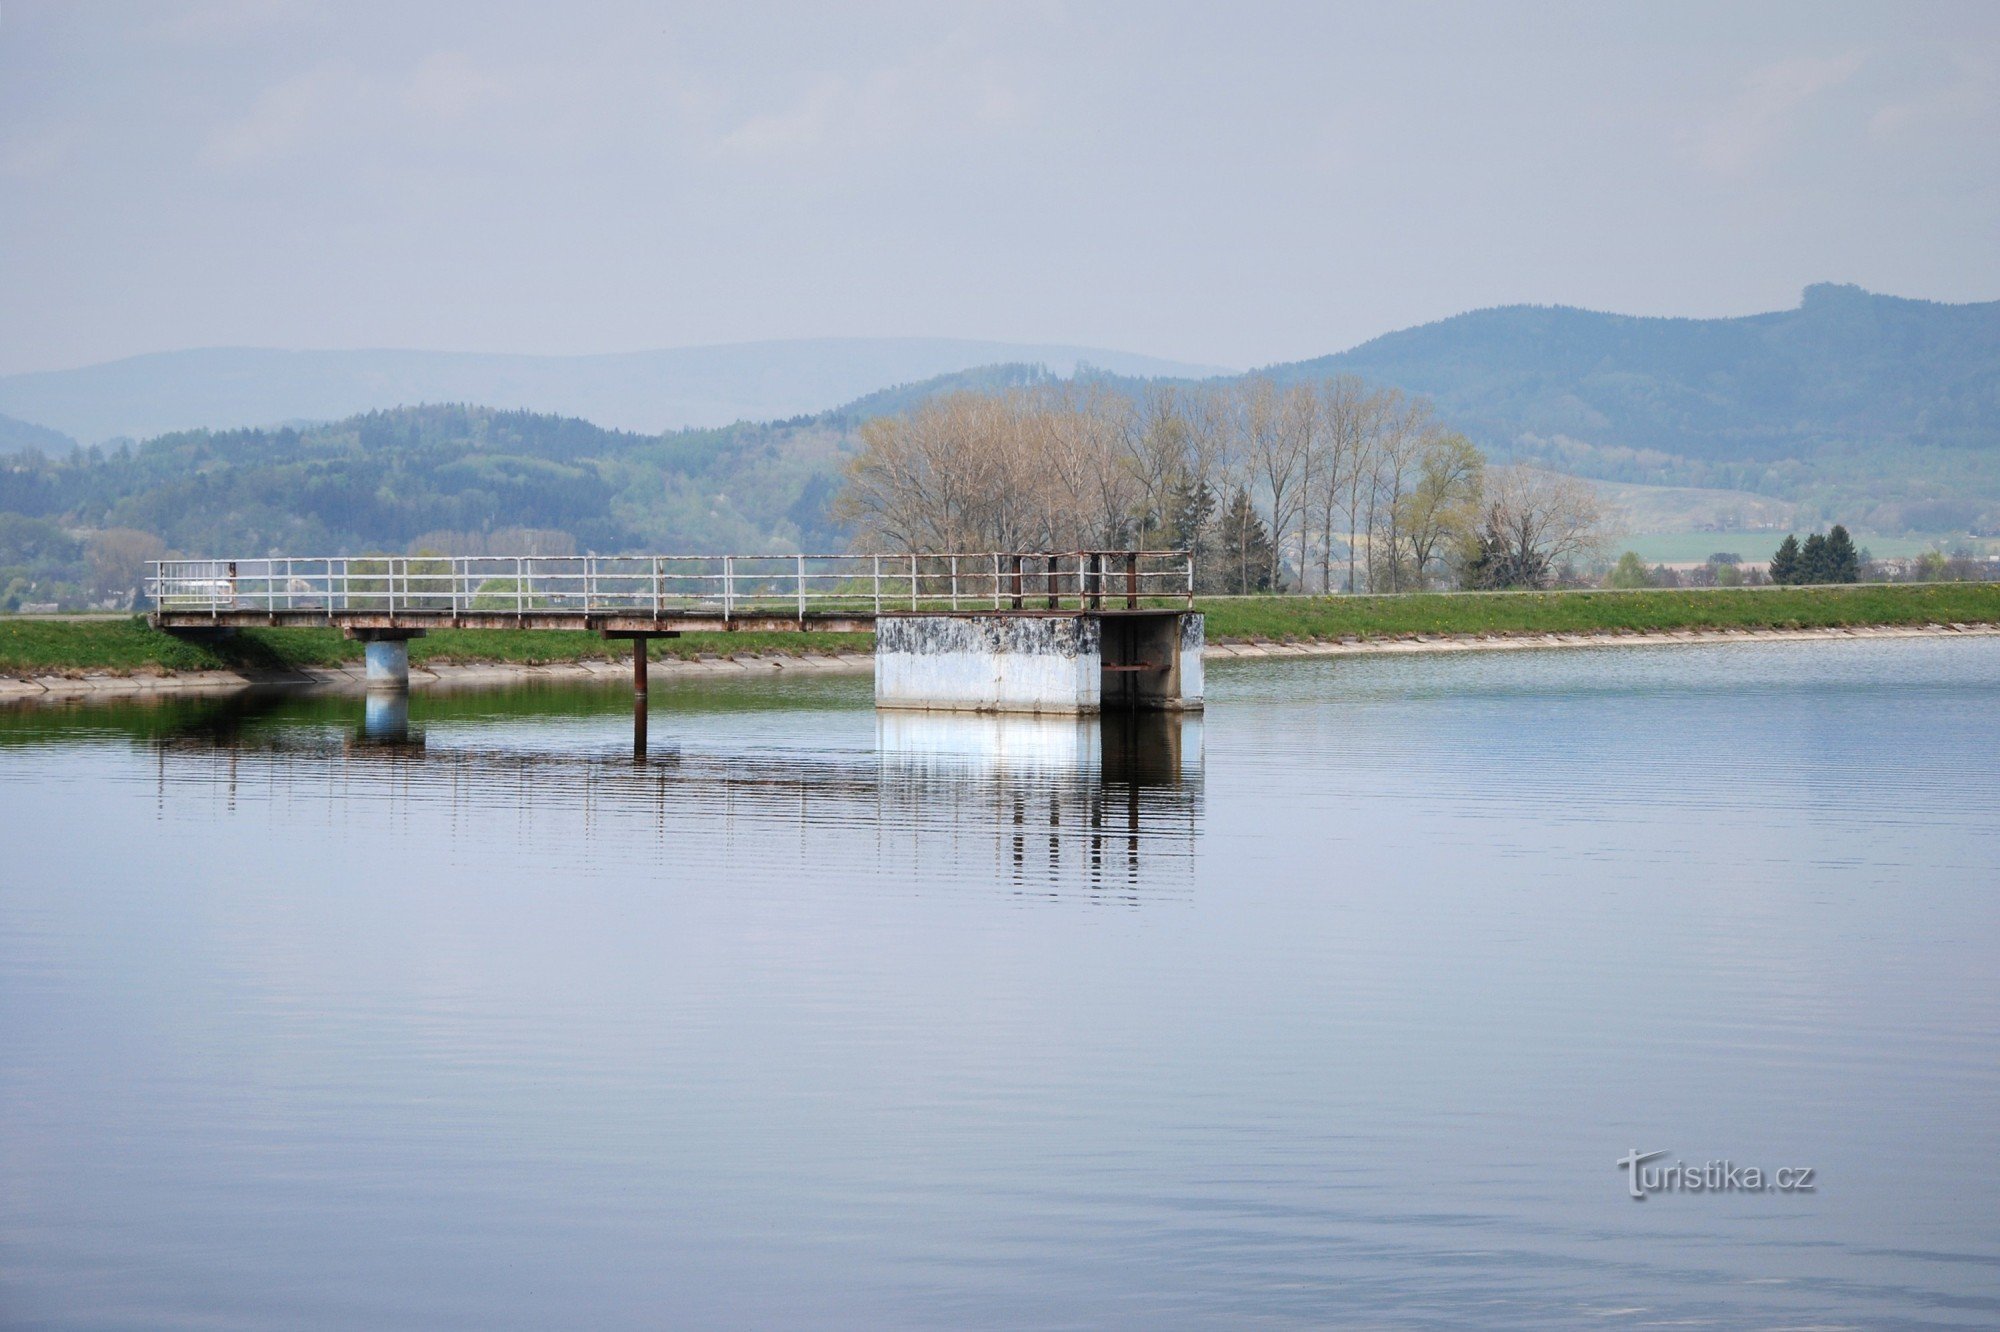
{"type": "Point", "coordinates": [1813, 566]}
{"type": "Point", "coordinates": [1191, 516]}
{"type": "Point", "coordinates": [1246, 545]}
{"type": "Point", "coordinates": [1843, 561]}
{"type": "Point", "coordinates": [1785, 564]}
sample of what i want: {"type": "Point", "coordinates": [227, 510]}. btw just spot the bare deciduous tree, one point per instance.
{"type": "Point", "coordinates": [1532, 523]}
{"type": "Point", "coordinates": [1260, 469]}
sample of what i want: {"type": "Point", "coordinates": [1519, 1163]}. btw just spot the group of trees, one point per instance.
{"type": "Point", "coordinates": [1319, 485]}
{"type": "Point", "coordinates": [42, 564]}
{"type": "Point", "coordinates": [1831, 558]}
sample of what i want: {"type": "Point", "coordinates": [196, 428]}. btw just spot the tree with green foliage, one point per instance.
{"type": "Point", "coordinates": [1843, 561]}
{"type": "Point", "coordinates": [1785, 564]}
{"type": "Point", "coordinates": [1813, 566]}
{"type": "Point", "coordinates": [1629, 572]}
{"type": "Point", "coordinates": [1246, 546]}
{"type": "Point", "coordinates": [1191, 522]}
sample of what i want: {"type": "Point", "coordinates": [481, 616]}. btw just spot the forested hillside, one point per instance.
{"type": "Point", "coordinates": [75, 530]}
{"type": "Point", "coordinates": [1879, 408]}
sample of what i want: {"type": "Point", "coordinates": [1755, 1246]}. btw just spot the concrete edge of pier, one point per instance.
{"type": "Point", "coordinates": [448, 675]}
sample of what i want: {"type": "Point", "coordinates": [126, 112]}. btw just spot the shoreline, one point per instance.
{"type": "Point", "coordinates": [454, 675]}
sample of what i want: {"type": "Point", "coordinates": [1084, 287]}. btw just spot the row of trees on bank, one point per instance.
{"type": "Point", "coordinates": [1322, 485]}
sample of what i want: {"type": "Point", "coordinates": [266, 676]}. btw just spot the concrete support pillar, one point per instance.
{"type": "Point", "coordinates": [388, 663]}
{"type": "Point", "coordinates": [386, 653]}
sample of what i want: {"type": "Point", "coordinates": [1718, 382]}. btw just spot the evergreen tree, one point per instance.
{"type": "Point", "coordinates": [1843, 561]}
{"type": "Point", "coordinates": [1813, 564]}
{"type": "Point", "coordinates": [1785, 564]}
{"type": "Point", "coordinates": [1246, 546]}
{"type": "Point", "coordinates": [1191, 517]}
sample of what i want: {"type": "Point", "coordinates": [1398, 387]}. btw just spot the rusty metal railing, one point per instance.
{"type": "Point", "coordinates": [726, 587]}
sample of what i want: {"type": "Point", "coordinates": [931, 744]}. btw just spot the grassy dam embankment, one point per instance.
{"type": "Point", "coordinates": [128, 645]}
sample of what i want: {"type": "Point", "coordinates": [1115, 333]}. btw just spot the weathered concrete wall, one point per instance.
{"type": "Point", "coordinates": [989, 663]}
{"type": "Point", "coordinates": [1146, 656]}
{"type": "Point", "coordinates": [1194, 641]}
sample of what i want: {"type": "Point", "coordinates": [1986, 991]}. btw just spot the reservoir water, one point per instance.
{"type": "Point", "coordinates": [1337, 1007]}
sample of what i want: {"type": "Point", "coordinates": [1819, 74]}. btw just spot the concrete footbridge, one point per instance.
{"type": "Point", "coordinates": [1012, 631]}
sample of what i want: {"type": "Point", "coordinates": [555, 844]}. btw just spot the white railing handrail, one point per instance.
{"type": "Point", "coordinates": [661, 585]}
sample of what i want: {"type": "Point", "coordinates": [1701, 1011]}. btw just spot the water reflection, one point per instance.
{"type": "Point", "coordinates": [1038, 805]}
{"type": "Point", "coordinates": [385, 719]}
{"type": "Point", "coordinates": [1109, 797]}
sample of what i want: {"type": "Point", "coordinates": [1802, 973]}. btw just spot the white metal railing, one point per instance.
{"type": "Point", "coordinates": [726, 586]}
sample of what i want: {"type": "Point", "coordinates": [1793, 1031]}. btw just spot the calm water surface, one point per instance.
{"type": "Point", "coordinates": [1338, 1007]}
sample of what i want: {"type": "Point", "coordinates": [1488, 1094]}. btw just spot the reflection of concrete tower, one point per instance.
{"type": "Point", "coordinates": [1111, 799]}
{"type": "Point", "coordinates": [385, 719]}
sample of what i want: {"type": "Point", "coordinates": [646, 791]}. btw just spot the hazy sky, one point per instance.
{"type": "Point", "coordinates": [1232, 183]}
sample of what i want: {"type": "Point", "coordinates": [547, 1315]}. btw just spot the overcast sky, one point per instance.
{"type": "Point", "coordinates": [1229, 183]}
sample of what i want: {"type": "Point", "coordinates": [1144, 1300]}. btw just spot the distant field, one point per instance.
{"type": "Point", "coordinates": [42, 646]}
{"type": "Point", "coordinates": [1757, 547]}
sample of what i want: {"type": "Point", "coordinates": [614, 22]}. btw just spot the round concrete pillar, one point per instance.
{"type": "Point", "coordinates": [388, 663]}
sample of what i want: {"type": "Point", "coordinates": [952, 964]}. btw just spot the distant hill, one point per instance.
{"type": "Point", "coordinates": [1853, 399]}
{"type": "Point", "coordinates": [447, 476]}
{"type": "Point", "coordinates": [228, 388]}
{"type": "Point", "coordinates": [25, 436]}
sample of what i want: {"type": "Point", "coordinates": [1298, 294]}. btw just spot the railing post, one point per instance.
{"type": "Point", "coordinates": [954, 582]}
{"type": "Point", "coordinates": [913, 582]}
{"type": "Point", "coordinates": [996, 580]}
{"type": "Point", "coordinates": [1050, 574]}
{"type": "Point", "coordinates": [1016, 560]}
{"type": "Point", "coordinates": [728, 588]}
{"type": "Point", "coordinates": [877, 559]}
{"type": "Point", "coordinates": [1190, 577]}
{"type": "Point", "coordinates": [802, 589]}
{"type": "Point", "coordinates": [659, 583]}
{"type": "Point", "coordinates": [520, 601]}
{"type": "Point", "coordinates": [1131, 581]}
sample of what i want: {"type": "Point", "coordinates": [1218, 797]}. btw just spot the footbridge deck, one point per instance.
{"type": "Point", "coordinates": [656, 594]}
